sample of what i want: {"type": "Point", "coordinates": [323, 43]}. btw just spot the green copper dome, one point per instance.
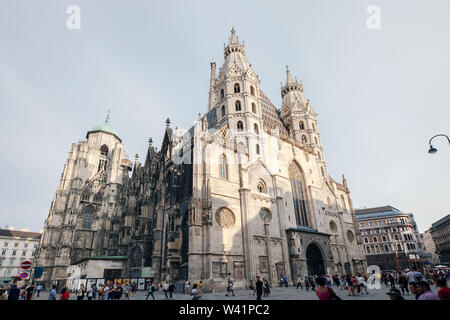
{"type": "Point", "coordinates": [106, 127]}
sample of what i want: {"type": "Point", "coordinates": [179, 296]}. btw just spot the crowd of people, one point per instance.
{"type": "Point", "coordinates": [408, 281]}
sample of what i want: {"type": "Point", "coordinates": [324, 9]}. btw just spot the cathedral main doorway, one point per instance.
{"type": "Point", "coordinates": [314, 260]}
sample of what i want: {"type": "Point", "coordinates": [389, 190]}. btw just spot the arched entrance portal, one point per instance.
{"type": "Point", "coordinates": [314, 260]}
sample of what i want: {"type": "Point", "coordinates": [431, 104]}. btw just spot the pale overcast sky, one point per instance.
{"type": "Point", "coordinates": [379, 94]}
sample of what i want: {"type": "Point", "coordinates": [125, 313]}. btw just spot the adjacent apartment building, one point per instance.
{"type": "Point", "coordinates": [388, 238]}
{"type": "Point", "coordinates": [440, 232]}
{"type": "Point", "coordinates": [15, 247]}
{"type": "Point", "coordinates": [430, 248]}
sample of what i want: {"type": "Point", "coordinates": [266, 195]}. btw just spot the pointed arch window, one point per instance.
{"type": "Point", "coordinates": [302, 125]}
{"type": "Point", "coordinates": [104, 150]}
{"type": "Point", "coordinates": [304, 139]}
{"type": "Point", "coordinates": [240, 126]}
{"type": "Point", "coordinates": [87, 217]}
{"type": "Point", "coordinates": [222, 94]}
{"type": "Point", "coordinates": [256, 128]}
{"type": "Point", "coordinates": [223, 167]}
{"type": "Point", "coordinates": [262, 187]}
{"type": "Point", "coordinates": [237, 88]}
{"type": "Point", "coordinates": [238, 105]}
{"type": "Point", "coordinates": [344, 207]}
{"type": "Point", "coordinates": [223, 111]}
{"type": "Point", "coordinates": [252, 91]}
{"type": "Point", "coordinates": [299, 194]}
{"type": "Point", "coordinates": [253, 108]}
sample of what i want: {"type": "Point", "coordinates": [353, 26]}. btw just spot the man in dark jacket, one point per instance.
{"type": "Point", "coordinates": [14, 293]}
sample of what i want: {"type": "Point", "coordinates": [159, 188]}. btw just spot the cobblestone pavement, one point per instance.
{"type": "Point", "coordinates": [290, 293]}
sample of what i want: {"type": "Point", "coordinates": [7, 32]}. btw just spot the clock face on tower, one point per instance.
{"type": "Point", "coordinates": [266, 215]}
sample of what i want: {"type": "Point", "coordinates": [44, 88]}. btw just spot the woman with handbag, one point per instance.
{"type": "Point", "coordinates": [323, 292]}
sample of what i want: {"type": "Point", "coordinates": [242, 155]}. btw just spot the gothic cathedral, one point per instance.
{"type": "Point", "coordinates": [244, 192]}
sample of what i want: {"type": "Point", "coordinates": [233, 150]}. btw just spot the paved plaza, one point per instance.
{"type": "Point", "coordinates": [290, 293]}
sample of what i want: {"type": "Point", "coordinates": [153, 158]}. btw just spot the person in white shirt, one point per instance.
{"type": "Point", "coordinates": [411, 275]}
{"type": "Point", "coordinates": [187, 287]}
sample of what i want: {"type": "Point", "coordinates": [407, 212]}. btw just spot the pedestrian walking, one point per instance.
{"type": "Point", "coordinates": [307, 284]}
{"type": "Point", "coordinates": [403, 283]}
{"type": "Point", "coordinates": [251, 287]}
{"type": "Point", "coordinates": [64, 294]}
{"type": "Point", "coordinates": [133, 288]}
{"type": "Point", "coordinates": [196, 294]}
{"type": "Point", "coordinates": [150, 289]}
{"type": "Point", "coordinates": [39, 289]}
{"type": "Point", "coordinates": [126, 291]}
{"type": "Point", "coordinates": [266, 287]}
{"type": "Point", "coordinates": [166, 289]}
{"type": "Point", "coordinates": [187, 287]}
{"type": "Point", "coordinates": [52, 293]}
{"type": "Point", "coordinates": [80, 293]}
{"type": "Point", "coordinates": [299, 282]}
{"type": "Point", "coordinates": [171, 289]}
{"type": "Point", "coordinates": [258, 288]}
{"type": "Point", "coordinates": [14, 292]}
{"type": "Point", "coordinates": [29, 291]}
{"type": "Point", "coordinates": [229, 286]}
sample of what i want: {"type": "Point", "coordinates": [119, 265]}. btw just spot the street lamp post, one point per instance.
{"type": "Point", "coordinates": [432, 149]}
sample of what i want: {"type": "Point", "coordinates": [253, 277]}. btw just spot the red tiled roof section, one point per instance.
{"type": "Point", "coordinates": [271, 117]}
{"type": "Point", "coordinates": [19, 234]}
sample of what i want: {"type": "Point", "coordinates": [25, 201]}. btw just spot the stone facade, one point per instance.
{"type": "Point", "coordinates": [243, 192]}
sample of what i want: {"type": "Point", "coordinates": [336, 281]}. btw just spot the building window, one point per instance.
{"type": "Point", "coordinates": [104, 150]}
{"type": "Point", "coordinates": [253, 108]}
{"type": "Point", "coordinates": [384, 238]}
{"type": "Point", "coordinates": [237, 88]}
{"type": "Point", "coordinates": [25, 245]}
{"type": "Point", "coordinates": [386, 248]}
{"type": "Point", "coordinates": [319, 156]}
{"type": "Point", "coordinates": [255, 127]}
{"type": "Point", "coordinates": [87, 217]}
{"type": "Point", "coordinates": [223, 168]}
{"type": "Point", "coordinates": [24, 253]}
{"type": "Point", "coordinates": [252, 91]}
{"type": "Point", "coordinates": [366, 240]}
{"type": "Point", "coordinates": [375, 239]}
{"type": "Point", "coordinates": [5, 244]}
{"type": "Point", "coordinates": [240, 126]}
{"type": "Point", "coordinates": [11, 261]}
{"type": "Point", "coordinates": [396, 237]}
{"type": "Point", "coordinates": [261, 187]}
{"type": "Point", "coordinates": [102, 165]}
{"type": "Point", "coordinates": [14, 252]}
{"type": "Point", "coordinates": [302, 125]}
{"type": "Point", "coordinates": [368, 249]}
{"type": "Point", "coordinates": [222, 94]}
{"type": "Point", "coordinates": [238, 105]}
{"type": "Point", "coordinates": [263, 264]}
{"type": "Point", "coordinates": [223, 111]}
{"type": "Point", "coordinates": [362, 224]}
{"type": "Point", "coordinates": [313, 126]}
{"type": "Point", "coordinates": [257, 149]}
{"type": "Point", "coordinates": [304, 139]}
{"type": "Point", "coordinates": [16, 245]}
{"type": "Point", "coordinates": [316, 141]}
{"type": "Point", "coordinates": [323, 172]}
{"type": "Point", "coordinates": [299, 194]}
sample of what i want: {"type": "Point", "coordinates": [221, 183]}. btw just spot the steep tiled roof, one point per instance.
{"type": "Point", "coordinates": [271, 117]}
{"type": "Point", "coordinates": [19, 234]}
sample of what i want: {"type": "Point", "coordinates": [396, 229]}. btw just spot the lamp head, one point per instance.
{"type": "Point", "coordinates": [432, 150]}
